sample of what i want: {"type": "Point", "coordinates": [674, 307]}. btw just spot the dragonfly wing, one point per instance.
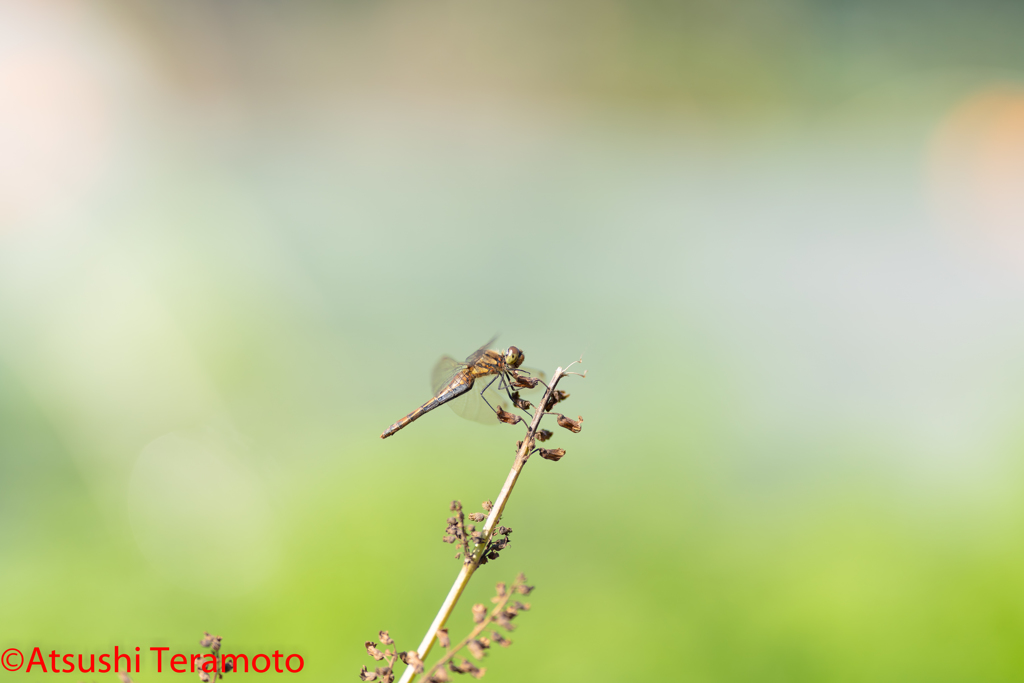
{"type": "Point", "coordinates": [443, 372]}
{"type": "Point", "coordinates": [446, 368]}
{"type": "Point", "coordinates": [479, 353]}
{"type": "Point", "coordinates": [471, 405]}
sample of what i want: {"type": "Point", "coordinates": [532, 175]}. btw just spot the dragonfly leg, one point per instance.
{"type": "Point", "coordinates": [485, 389]}
{"type": "Point", "coordinates": [541, 380]}
{"type": "Point", "coordinates": [506, 385]}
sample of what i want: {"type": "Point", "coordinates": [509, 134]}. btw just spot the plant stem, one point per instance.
{"type": "Point", "coordinates": [492, 520]}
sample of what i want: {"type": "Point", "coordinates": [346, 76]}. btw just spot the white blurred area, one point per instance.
{"type": "Point", "coordinates": [64, 103]}
{"type": "Point", "coordinates": [84, 330]}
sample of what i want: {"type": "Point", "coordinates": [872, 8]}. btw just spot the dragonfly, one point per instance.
{"type": "Point", "coordinates": [453, 380]}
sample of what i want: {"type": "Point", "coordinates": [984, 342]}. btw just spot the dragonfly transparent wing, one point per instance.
{"type": "Point", "coordinates": [476, 355]}
{"type": "Point", "coordinates": [470, 405]}
{"type": "Point", "coordinates": [443, 372]}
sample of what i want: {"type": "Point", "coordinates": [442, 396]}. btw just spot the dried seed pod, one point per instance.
{"type": "Point", "coordinates": [463, 667]}
{"type": "Point", "coordinates": [479, 613]}
{"type": "Point", "coordinates": [507, 417]}
{"type": "Point", "coordinates": [573, 426]}
{"type": "Point", "coordinates": [476, 648]}
{"type": "Point", "coordinates": [521, 403]}
{"type": "Point", "coordinates": [544, 435]}
{"type": "Point", "coordinates": [557, 396]}
{"type": "Point", "coordinates": [504, 620]}
{"type": "Point", "coordinates": [524, 381]}
{"type": "Point", "coordinates": [412, 658]}
{"type": "Point", "coordinates": [385, 638]}
{"type": "Point", "coordinates": [554, 454]}
{"type": "Point", "coordinates": [477, 516]}
{"type": "Point", "coordinates": [439, 676]}
{"type": "Point", "coordinates": [365, 675]}
{"type": "Point", "coordinates": [371, 649]}
{"type": "Point", "coordinates": [442, 638]}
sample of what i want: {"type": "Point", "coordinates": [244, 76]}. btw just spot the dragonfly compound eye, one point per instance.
{"type": "Point", "coordinates": [514, 357]}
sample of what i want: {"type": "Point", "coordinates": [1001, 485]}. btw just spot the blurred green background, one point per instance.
{"type": "Point", "coordinates": [787, 236]}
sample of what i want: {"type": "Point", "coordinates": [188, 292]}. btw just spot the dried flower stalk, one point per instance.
{"type": "Point", "coordinates": [475, 643]}
{"type": "Point", "coordinates": [219, 666]}
{"type": "Point", "coordinates": [473, 558]}
{"type": "Point", "coordinates": [501, 615]}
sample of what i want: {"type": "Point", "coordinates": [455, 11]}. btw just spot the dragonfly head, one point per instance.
{"type": "Point", "coordinates": [514, 357]}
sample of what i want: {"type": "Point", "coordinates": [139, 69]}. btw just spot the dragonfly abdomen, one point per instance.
{"type": "Point", "coordinates": [457, 387]}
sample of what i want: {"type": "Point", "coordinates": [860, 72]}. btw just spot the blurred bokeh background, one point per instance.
{"type": "Point", "coordinates": [787, 236]}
